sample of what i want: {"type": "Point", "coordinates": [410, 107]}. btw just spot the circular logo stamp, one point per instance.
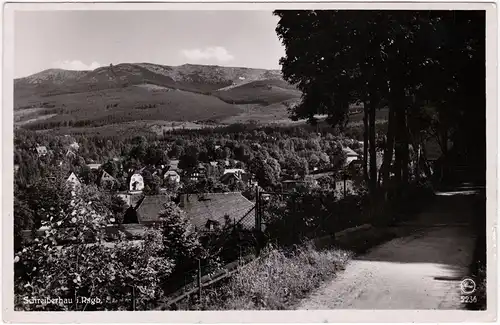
{"type": "Point", "coordinates": [468, 286]}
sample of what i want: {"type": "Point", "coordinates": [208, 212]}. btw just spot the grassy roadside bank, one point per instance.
{"type": "Point", "coordinates": [281, 278]}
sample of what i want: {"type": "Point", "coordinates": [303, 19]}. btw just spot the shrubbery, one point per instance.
{"type": "Point", "coordinates": [71, 259]}
{"type": "Point", "coordinates": [276, 281]}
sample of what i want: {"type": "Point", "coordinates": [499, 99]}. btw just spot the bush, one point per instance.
{"type": "Point", "coordinates": [70, 259]}
{"type": "Point", "coordinates": [311, 214]}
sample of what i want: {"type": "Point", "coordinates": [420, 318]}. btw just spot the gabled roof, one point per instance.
{"type": "Point", "coordinates": [135, 199]}
{"type": "Point", "coordinates": [349, 152]}
{"type": "Point", "coordinates": [201, 208]}
{"type": "Point", "coordinates": [170, 173]}
{"type": "Point", "coordinates": [149, 208]}
{"type": "Point", "coordinates": [72, 178]}
{"type": "Point", "coordinates": [106, 176]}
{"type": "Point", "coordinates": [226, 177]}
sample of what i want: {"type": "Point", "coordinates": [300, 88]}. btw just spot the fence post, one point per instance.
{"type": "Point", "coordinates": [199, 280]}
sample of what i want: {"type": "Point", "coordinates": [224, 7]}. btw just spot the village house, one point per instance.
{"type": "Point", "coordinates": [207, 211]}
{"type": "Point", "coordinates": [172, 176]}
{"type": "Point", "coordinates": [174, 165]}
{"type": "Point", "coordinates": [292, 184]}
{"type": "Point", "coordinates": [136, 182]}
{"type": "Point", "coordinates": [73, 182]}
{"type": "Point", "coordinates": [107, 181]}
{"type": "Point", "coordinates": [74, 146]}
{"type": "Point", "coordinates": [41, 151]}
{"type": "Point", "coordinates": [232, 176]}
{"type": "Point", "coordinates": [145, 210]}
{"type": "Point", "coordinates": [351, 156]}
{"type": "Point", "coordinates": [70, 154]}
{"type": "Point", "coordinates": [148, 209]}
{"type": "Point", "coordinates": [198, 173]}
{"type": "Point", "coordinates": [94, 166]}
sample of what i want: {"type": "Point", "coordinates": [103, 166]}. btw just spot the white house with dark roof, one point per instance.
{"type": "Point", "coordinates": [136, 182]}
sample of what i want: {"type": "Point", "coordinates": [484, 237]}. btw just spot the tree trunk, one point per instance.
{"type": "Point", "coordinates": [417, 165]}
{"type": "Point", "coordinates": [401, 138]}
{"type": "Point", "coordinates": [405, 161]}
{"type": "Point", "coordinates": [389, 147]}
{"type": "Point", "coordinates": [443, 140]}
{"type": "Point", "coordinates": [365, 143]}
{"type": "Point", "coordinates": [373, 145]}
{"type": "Point", "coordinates": [425, 163]}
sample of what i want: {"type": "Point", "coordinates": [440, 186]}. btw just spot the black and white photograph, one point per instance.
{"type": "Point", "coordinates": [250, 160]}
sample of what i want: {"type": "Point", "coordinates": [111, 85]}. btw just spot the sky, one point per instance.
{"type": "Point", "coordinates": [82, 40]}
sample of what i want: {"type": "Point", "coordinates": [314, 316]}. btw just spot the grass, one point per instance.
{"type": "Point", "coordinates": [264, 92]}
{"type": "Point", "coordinates": [276, 281]}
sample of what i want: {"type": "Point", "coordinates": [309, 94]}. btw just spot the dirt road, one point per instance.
{"type": "Point", "coordinates": [419, 271]}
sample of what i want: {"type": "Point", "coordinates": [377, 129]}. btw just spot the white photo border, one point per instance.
{"type": "Point", "coordinates": [345, 316]}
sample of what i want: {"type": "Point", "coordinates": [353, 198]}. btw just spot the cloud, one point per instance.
{"type": "Point", "coordinates": [218, 53]}
{"type": "Point", "coordinates": [75, 65]}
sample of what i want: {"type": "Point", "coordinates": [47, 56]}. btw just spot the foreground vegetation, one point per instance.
{"type": "Point", "coordinates": [276, 281]}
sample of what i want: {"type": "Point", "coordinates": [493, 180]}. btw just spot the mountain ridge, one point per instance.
{"type": "Point", "coordinates": [277, 71]}
{"type": "Point", "coordinates": [135, 91]}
